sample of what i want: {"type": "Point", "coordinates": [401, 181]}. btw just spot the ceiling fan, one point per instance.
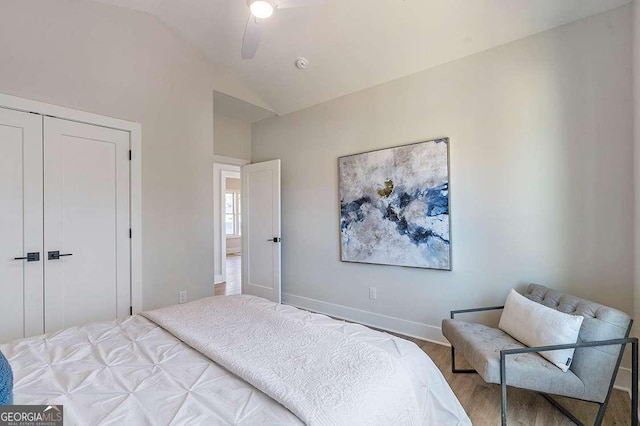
{"type": "Point", "coordinates": [260, 10]}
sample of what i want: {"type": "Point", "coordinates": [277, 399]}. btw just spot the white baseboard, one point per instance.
{"type": "Point", "coordinates": [397, 325]}
{"type": "Point", "coordinates": [430, 333]}
{"type": "Point", "coordinates": [623, 380]}
{"type": "Point", "coordinates": [217, 279]}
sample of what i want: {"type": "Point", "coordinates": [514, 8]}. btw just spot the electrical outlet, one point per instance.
{"type": "Point", "coordinates": [373, 293]}
{"type": "Point", "coordinates": [183, 296]}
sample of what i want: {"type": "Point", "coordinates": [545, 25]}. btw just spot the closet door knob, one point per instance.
{"type": "Point", "coordinates": [30, 257]}
{"type": "Point", "coordinates": [55, 255]}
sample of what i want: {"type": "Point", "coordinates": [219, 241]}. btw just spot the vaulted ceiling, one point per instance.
{"type": "Point", "coordinates": [354, 44]}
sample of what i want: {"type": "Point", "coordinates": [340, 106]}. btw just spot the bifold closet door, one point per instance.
{"type": "Point", "coordinates": [86, 223]}
{"type": "Point", "coordinates": [20, 224]}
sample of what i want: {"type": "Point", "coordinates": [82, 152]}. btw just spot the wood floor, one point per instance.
{"type": "Point", "coordinates": [233, 285]}
{"type": "Point", "coordinates": [481, 401]}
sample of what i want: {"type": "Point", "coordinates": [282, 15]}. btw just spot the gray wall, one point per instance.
{"type": "Point", "coordinates": [233, 137]}
{"type": "Point", "coordinates": [541, 177]}
{"type": "Point", "coordinates": [126, 64]}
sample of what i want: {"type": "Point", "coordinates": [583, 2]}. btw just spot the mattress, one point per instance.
{"type": "Point", "coordinates": [137, 372]}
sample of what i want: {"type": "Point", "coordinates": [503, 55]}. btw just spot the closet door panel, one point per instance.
{"type": "Point", "coordinates": [20, 224]}
{"type": "Point", "coordinates": [87, 222]}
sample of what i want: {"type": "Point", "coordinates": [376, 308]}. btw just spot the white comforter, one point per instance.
{"type": "Point", "coordinates": [138, 373]}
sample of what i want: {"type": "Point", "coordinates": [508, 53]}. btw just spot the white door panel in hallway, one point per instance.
{"type": "Point", "coordinates": [21, 280]}
{"type": "Point", "coordinates": [86, 225]}
{"type": "Point", "coordinates": [261, 230]}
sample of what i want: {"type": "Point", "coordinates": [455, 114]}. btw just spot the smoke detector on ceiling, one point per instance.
{"type": "Point", "coordinates": [302, 63]}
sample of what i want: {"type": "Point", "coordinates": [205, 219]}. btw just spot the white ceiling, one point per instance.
{"type": "Point", "coordinates": [232, 107]}
{"type": "Point", "coordinates": [354, 44]}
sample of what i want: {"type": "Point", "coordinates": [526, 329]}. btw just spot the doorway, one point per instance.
{"type": "Point", "coordinates": [233, 232]}
{"type": "Point", "coordinates": [228, 229]}
{"type": "Point", "coordinates": [247, 205]}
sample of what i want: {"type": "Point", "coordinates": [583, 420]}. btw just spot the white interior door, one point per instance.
{"type": "Point", "coordinates": [86, 221]}
{"type": "Point", "coordinates": [261, 230]}
{"type": "Point", "coordinates": [20, 224]}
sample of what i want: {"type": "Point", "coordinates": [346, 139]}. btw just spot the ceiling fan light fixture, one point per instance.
{"type": "Point", "coordinates": [261, 9]}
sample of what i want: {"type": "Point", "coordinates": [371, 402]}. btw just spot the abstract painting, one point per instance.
{"type": "Point", "coordinates": [394, 206]}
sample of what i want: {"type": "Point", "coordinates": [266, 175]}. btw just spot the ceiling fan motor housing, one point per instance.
{"type": "Point", "coordinates": [261, 9]}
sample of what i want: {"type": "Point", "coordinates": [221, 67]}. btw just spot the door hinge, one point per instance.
{"type": "Point", "coordinates": [129, 155]}
{"type": "Point", "coordinates": [130, 233]}
{"type": "Point", "coordinates": [130, 310]}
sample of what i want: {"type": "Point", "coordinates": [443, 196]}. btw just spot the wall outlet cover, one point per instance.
{"type": "Point", "coordinates": [183, 296]}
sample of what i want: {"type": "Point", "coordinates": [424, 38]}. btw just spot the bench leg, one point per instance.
{"type": "Point", "coordinates": [453, 363]}
{"type": "Point", "coordinates": [600, 415]}
{"type": "Point", "coordinates": [568, 413]}
{"type": "Point", "coordinates": [503, 386]}
{"type": "Point", "coordinates": [634, 387]}
{"type": "Point", "coordinates": [634, 383]}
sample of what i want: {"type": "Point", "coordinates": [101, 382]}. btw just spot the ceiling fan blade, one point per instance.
{"type": "Point", "coordinates": [285, 4]}
{"type": "Point", "coordinates": [251, 39]}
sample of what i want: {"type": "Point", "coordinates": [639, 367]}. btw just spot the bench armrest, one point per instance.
{"type": "Point", "coordinates": [568, 346]}
{"type": "Point", "coordinates": [622, 342]}
{"type": "Point", "coordinates": [465, 311]}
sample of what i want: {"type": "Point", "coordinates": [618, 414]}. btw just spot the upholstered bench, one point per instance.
{"type": "Point", "coordinates": [501, 359]}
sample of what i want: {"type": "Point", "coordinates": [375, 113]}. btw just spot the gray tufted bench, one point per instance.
{"type": "Point", "coordinates": [501, 359]}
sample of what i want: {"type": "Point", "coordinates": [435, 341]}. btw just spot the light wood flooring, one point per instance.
{"type": "Point", "coordinates": [481, 401]}
{"type": "Point", "coordinates": [233, 285]}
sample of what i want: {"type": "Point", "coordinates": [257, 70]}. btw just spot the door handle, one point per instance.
{"type": "Point", "coordinates": [55, 255]}
{"type": "Point", "coordinates": [274, 240]}
{"type": "Point", "coordinates": [30, 257]}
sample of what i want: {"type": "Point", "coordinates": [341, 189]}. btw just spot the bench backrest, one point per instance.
{"type": "Point", "coordinates": [594, 366]}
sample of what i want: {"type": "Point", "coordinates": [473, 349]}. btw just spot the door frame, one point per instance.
{"type": "Point", "coordinates": [135, 170]}
{"type": "Point", "coordinates": [224, 174]}
{"type": "Point", "coordinates": [221, 165]}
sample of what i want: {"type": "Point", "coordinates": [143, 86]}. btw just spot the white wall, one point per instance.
{"type": "Point", "coordinates": [234, 245]}
{"type": "Point", "coordinates": [233, 137]}
{"type": "Point", "coordinates": [233, 184]}
{"type": "Point", "coordinates": [541, 178]}
{"type": "Point", "coordinates": [126, 64]}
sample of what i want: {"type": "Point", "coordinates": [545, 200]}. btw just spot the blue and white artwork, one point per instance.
{"type": "Point", "coordinates": [394, 206]}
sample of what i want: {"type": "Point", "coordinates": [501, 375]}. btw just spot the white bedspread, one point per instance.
{"type": "Point", "coordinates": [135, 372]}
{"type": "Point", "coordinates": [321, 375]}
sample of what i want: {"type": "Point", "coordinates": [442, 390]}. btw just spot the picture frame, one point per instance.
{"type": "Point", "coordinates": [395, 206]}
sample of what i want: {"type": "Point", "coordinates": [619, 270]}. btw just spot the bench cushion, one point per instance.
{"type": "Point", "coordinates": [594, 366]}
{"type": "Point", "coordinates": [481, 346]}
{"type": "Point", "coordinates": [534, 324]}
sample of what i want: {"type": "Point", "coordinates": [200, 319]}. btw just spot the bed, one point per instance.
{"type": "Point", "coordinates": [231, 360]}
